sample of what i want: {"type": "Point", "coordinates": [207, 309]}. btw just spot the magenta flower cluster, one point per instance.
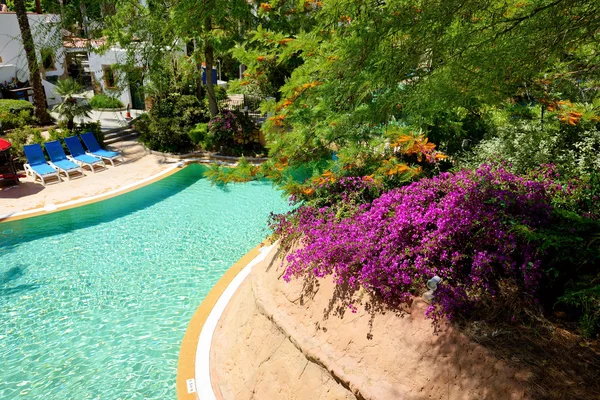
{"type": "Point", "coordinates": [224, 122]}
{"type": "Point", "coordinates": [459, 226]}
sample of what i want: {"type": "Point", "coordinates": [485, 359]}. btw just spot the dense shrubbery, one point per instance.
{"type": "Point", "coordinates": [104, 101]}
{"type": "Point", "coordinates": [569, 137]}
{"type": "Point", "coordinates": [15, 114]}
{"type": "Point", "coordinates": [483, 232]}
{"type": "Point", "coordinates": [165, 127]}
{"type": "Point", "coordinates": [232, 133]}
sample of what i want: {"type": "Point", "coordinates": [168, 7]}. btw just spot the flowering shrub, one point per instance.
{"type": "Point", "coordinates": [478, 230]}
{"type": "Point", "coordinates": [232, 132]}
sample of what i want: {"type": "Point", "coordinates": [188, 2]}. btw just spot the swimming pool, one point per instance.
{"type": "Point", "coordinates": [94, 301]}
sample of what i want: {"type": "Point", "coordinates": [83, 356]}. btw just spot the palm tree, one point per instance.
{"type": "Point", "coordinates": [69, 108]}
{"type": "Point", "coordinates": [39, 97]}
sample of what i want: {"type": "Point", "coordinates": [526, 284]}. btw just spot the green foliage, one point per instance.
{"type": "Point", "coordinates": [22, 136]}
{"type": "Point", "coordinates": [166, 127]}
{"type": "Point", "coordinates": [70, 108]}
{"type": "Point", "coordinates": [104, 101]}
{"type": "Point", "coordinates": [243, 172]}
{"type": "Point", "coordinates": [198, 134]}
{"type": "Point", "coordinates": [15, 106]}
{"type": "Point", "coordinates": [587, 303]}
{"type": "Point", "coordinates": [235, 86]}
{"type": "Point", "coordinates": [15, 114]}
{"type": "Point", "coordinates": [525, 143]}
{"type": "Point", "coordinates": [436, 66]}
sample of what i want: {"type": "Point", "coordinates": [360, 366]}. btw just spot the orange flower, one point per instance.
{"type": "Point", "coordinates": [266, 7]}
{"type": "Point", "coordinates": [308, 191]}
{"type": "Point", "coordinates": [278, 120]}
{"type": "Point", "coordinates": [286, 103]}
{"type": "Point", "coordinates": [398, 169]}
{"type": "Point", "coordinates": [285, 41]}
{"type": "Point", "coordinates": [368, 178]}
{"type": "Point", "coordinates": [261, 58]}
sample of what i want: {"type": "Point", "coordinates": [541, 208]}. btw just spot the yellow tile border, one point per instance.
{"type": "Point", "coordinates": [187, 352]}
{"type": "Point", "coordinates": [95, 198]}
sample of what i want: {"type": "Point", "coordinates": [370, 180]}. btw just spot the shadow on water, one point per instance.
{"type": "Point", "coordinates": [13, 274]}
{"type": "Point", "coordinates": [9, 291]}
{"type": "Point", "coordinates": [21, 231]}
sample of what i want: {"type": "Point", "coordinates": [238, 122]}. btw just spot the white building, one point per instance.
{"type": "Point", "coordinates": [48, 44]}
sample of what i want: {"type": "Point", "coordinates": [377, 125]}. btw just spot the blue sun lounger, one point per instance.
{"type": "Point", "coordinates": [78, 155]}
{"type": "Point", "coordinates": [58, 159]}
{"type": "Point", "coordinates": [94, 149]}
{"type": "Point", "coordinates": [36, 164]}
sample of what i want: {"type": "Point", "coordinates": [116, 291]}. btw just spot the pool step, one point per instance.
{"type": "Point", "coordinates": [126, 133]}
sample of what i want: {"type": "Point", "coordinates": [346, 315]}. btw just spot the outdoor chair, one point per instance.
{"type": "Point", "coordinates": [79, 156]}
{"type": "Point", "coordinates": [58, 159]}
{"type": "Point", "coordinates": [36, 164]}
{"type": "Point", "coordinates": [94, 149]}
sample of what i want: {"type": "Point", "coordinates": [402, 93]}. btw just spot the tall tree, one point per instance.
{"type": "Point", "coordinates": [368, 63]}
{"type": "Point", "coordinates": [214, 25]}
{"type": "Point", "coordinates": [39, 97]}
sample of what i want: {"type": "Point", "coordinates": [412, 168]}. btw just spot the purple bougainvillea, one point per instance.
{"type": "Point", "coordinates": [462, 227]}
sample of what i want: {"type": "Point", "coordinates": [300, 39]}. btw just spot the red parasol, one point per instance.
{"type": "Point", "coordinates": [4, 145]}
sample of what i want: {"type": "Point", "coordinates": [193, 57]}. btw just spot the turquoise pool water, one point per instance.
{"type": "Point", "coordinates": [94, 301]}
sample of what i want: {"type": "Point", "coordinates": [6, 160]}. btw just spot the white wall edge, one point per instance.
{"type": "Point", "coordinates": [202, 364]}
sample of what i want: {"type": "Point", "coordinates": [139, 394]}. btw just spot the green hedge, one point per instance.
{"type": "Point", "coordinates": [104, 101]}
{"type": "Point", "coordinates": [15, 114]}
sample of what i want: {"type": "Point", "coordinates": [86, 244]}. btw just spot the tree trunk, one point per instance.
{"type": "Point", "coordinates": [210, 88]}
{"type": "Point", "coordinates": [39, 98]}
{"type": "Point", "coordinates": [209, 55]}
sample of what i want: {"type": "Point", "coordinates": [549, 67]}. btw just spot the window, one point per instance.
{"type": "Point", "coordinates": [47, 60]}
{"type": "Point", "coordinates": [110, 78]}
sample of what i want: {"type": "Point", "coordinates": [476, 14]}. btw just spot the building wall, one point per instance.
{"type": "Point", "coordinates": [110, 57]}
{"type": "Point", "coordinates": [46, 34]}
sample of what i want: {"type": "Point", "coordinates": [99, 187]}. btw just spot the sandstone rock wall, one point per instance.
{"type": "Point", "coordinates": [295, 340]}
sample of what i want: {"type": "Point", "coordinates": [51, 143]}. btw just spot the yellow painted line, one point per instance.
{"type": "Point", "coordinates": [187, 352]}
{"type": "Point", "coordinates": [92, 199]}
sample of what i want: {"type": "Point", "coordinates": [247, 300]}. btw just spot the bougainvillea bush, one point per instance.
{"type": "Point", "coordinates": [480, 230]}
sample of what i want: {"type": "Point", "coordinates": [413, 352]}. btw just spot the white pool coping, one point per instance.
{"type": "Point", "coordinates": [51, 207]}
{"type": "Point", "coordinates": [202, 365]}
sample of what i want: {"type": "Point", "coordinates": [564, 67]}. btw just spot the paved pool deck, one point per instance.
{"type": "Point", "coordinates": [139, 165]}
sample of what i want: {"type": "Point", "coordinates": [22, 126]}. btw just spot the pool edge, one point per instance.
{"type": "Point", "coordinates": [95, 198]}
{"type": "Point", "coordinates": [186, 365]}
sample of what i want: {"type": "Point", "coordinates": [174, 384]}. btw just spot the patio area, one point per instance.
{"type": "Point", "coordinates": [30, 195]}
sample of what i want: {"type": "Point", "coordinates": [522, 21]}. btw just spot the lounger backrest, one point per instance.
{"type": "Point", "coordinates": [74, 145]}
{"type": "Point", "coordinates": [34, 154]}
{"type": "Point", "coordinates": [90, 141]}
{"type": "Point", "coordinates": [55, 151]}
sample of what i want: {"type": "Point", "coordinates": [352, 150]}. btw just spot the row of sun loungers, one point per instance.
{"type": "Point", "coordinates": [74, 163]}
